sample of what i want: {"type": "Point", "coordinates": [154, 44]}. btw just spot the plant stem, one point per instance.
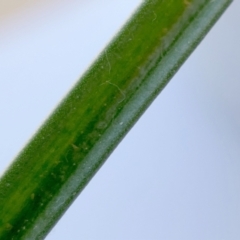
{"type": "Point", "coordinates": [75, 141]}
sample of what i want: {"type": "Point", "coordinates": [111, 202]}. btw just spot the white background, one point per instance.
{"type": "Point", "coordinates": [176, 176]}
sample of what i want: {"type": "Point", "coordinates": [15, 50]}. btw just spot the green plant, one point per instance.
{"type": "Point", "coordinates": [85, 128]}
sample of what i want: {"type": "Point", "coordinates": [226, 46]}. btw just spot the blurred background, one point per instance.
{"type": "Point", "coordinates": [177, 173]}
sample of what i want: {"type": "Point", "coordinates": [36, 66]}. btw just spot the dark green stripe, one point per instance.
{"type": "Point", "coordinates": [71, 146]}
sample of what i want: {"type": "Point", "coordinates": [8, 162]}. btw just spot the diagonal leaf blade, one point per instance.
{"type": "Point", "coordinates": [85, 128]}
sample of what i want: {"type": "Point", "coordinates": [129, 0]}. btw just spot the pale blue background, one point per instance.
{"type": "Point", "coordinates": [176, 176]}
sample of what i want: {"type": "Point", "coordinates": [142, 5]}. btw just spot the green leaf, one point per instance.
{"type": "Point", "coordinates": [75, 141]}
